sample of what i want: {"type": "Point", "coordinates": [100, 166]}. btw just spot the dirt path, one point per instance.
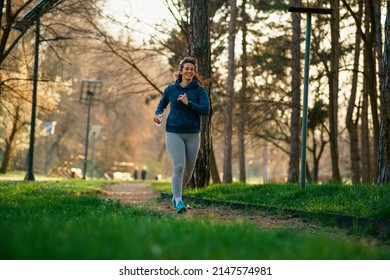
{"type": "Point", "coordinates": [130, 193]}
{"type": "Point", "coordinates": [141, 194]}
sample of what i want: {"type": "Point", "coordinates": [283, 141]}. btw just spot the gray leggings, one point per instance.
{"type": "Point", "coordinates": [183, 149]}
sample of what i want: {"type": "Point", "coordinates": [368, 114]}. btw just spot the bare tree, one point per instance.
{"type": "Point", "coordinates": [9, 11]}
{"type": "Point", "coordinates": [351, 123]}
{"type": "Point", "coordinates": [370, 96]}
{"type": "Point", "coordinates": [293, 173]}
{"type": "Point", "coordinates": [242, 95]}
{"type": "Point", "coordinates": [371, 80]}
{"type": "Point", "coordinates": [200, 48]}
{"type": "Point", "coordinates": [383, 175]}
{"type": "Point", "coordinates": [16, 125]}
{"type": "Point", "coordinates": [334, 89]}
{"type": "Point", "coordinates": [228, 102]}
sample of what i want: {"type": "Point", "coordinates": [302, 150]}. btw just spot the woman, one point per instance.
{"type": "Point", "coordinates": [189, 100]}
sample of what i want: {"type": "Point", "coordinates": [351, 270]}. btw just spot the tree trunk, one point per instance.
{"type": "Point", "coordinates": [371, 82]}
{"type": "Point", "coordinates": [333, 91]}
{"type": "Point", "coordinates": [9, 143]}
{"type": "Point", "coordinates": [227, 151]}
{"type": "Point", "coordinates": [213, 166]}
{"type": "Point", "coordinates": [366, 155]}
{"type": "Point", "coordinates": [352, 126]}
{"type": "Point", "coordinates": [383, 175]}
{"type": "Point", "coordinates": [200, 48]}
{"type": "Point", "coordinates": [293, 170]}
{"type": "Point", "coordinates": [378, 30]}
{"type": "Point", "coordinates": [242, 97]}
{"type": "Point", "coordinates": [370, 39]}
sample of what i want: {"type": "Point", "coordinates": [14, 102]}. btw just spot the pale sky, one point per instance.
{"type": "Point", "coordinates": [149, 12]}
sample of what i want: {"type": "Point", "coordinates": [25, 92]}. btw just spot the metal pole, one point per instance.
{"type": "Point", "coordinates": [309, 11]}
{"type": "Point", "coordinates": [47, 156]}
{"type": "Point", "coordinates": [305, 101]}
{"type": "Point", "coordinates": [30, 159]}
{"type": "Point", "coordinates": [93, 153]}
{"type": "Point", "coordinates": [90, 97]}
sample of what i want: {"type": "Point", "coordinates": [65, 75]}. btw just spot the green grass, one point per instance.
{"type": "Point", "coordinates": [364, 201]}
{"type": "Point", "coordinates": [65, 220]}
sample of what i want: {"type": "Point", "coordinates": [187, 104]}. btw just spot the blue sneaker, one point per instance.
{"type": "Point", "coordinates": [180, 208]}
{"type": "Point", "coordinates": [173, 202]}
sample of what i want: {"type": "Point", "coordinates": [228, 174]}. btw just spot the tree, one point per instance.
{"type": "Point", "coordinates": [16, 125]}
{"type": "Point", "coordinates": [200, 48]}
{"type": "Point", "coordinates": [334, 89]}
{"type": "Point", "coordinates": [316, 123]}
{"type": "Point", "coordinates": [293, 172]}
{"type": "Point", "coordinates": [383, 175]}
{"type": "Point", "coordinates": [370, 81]}
{"type": "Point", "coordinates": [15, 81]}
{"type": "Point", "coordinates": [242, 94]}
{"type": "Point", "coordinates": [228, 102]}
{"type": "Point", "coordinates": [351, 123]}
{"type": "Point", "coordinates": [9, 11]}
{"type": "Point", "coordinates": [370, 39]}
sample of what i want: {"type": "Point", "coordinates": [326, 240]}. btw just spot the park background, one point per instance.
{"type": "Point", "coordinates": [256, 55]}
{"type": "Point", "coordinates": [251, 54]}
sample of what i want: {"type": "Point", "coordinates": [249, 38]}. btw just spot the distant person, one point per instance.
{"type": "Point", "coordinates": [135, 175]}
{"type": "Point", "coordinates": [188, 102]}
{"type": "Point", "coordinates": [143, 173]}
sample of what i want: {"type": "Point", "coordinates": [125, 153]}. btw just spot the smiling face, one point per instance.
{"type": "Point", "coordinates": [188, 72]}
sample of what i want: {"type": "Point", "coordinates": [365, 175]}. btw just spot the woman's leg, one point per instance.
{"type": "Point", "coordinates": [192, 144]}
{"type": "Point", "coordinates": [176, 150]}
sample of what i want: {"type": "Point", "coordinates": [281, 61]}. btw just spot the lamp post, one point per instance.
{"type": "Point", "coordinates": [308, 11]}
{"type": "Point", "coordinates": [33, 16]}
{"type": "Point", "coordinates": [94, 132]}
{"type": "Point", "coordinates": [90, 90]}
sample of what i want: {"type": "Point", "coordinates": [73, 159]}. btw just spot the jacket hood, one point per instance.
{"type": "Point", "coordinates": [193, 84]}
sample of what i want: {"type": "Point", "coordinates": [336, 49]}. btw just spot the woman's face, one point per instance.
{"type": "Point", "coordinates": [188, 71]}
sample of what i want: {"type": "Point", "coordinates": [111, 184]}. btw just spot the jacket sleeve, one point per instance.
{"type": "Point", "coordinates": [164, 101]}
{"type": "Point", "coordinates": [203, 108]}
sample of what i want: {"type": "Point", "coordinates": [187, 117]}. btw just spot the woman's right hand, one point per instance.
{"type": "Point", "coordinates": [158, 119]}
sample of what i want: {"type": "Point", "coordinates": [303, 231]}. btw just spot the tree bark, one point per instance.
{"type": "Point", "coordinates": [10, 142]}
{"type": "Point", "coordinates": [227, 151]}
{"type": "Point", "coordinates": [333, 91]}
{"type": "Point", "coordinates": [378, 30]}
{"type": "Point", "coordinates": [383, 175]}
{"type": "Point", "coordinates": [366, 155]}
{"type": "Point", "coordinates": [242, 96]}
{"type": "Point", "coordinates": [200, 48]}
{"type": "Point", "coordinates": [213, 166]}
{"type": "Point", "coordinates": [372, 83]}
{"type": "Point", "coordinates": [293, 172]}
{"type": "Point", "coordinates": [352, 126]}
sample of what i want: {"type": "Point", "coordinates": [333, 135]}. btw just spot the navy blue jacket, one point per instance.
{"type": "Point", "coordinates": [183, 118]}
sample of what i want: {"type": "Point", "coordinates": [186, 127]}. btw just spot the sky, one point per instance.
{"type": "Point", "coordinates": [149, 12]}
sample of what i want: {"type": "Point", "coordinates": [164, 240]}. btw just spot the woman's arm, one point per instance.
{"type": "Point", "coordinates": [203, 108]}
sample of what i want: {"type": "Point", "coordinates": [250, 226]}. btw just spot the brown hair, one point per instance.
{"type": "Point", "coordinates": [193, 61]}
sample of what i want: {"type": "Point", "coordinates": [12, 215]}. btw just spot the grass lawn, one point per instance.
{"type": "Point", "coordinates": [65, 220]}
{"type": "Point", "coordinates": [362, 201]}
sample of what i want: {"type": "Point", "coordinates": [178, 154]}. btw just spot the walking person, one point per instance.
{"type": "Point", "coordinates": [135, 174]}
{"type": "Point", "coordinates": [143, 173]}
{"type": "Point", "coordinates": [188, 102]}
